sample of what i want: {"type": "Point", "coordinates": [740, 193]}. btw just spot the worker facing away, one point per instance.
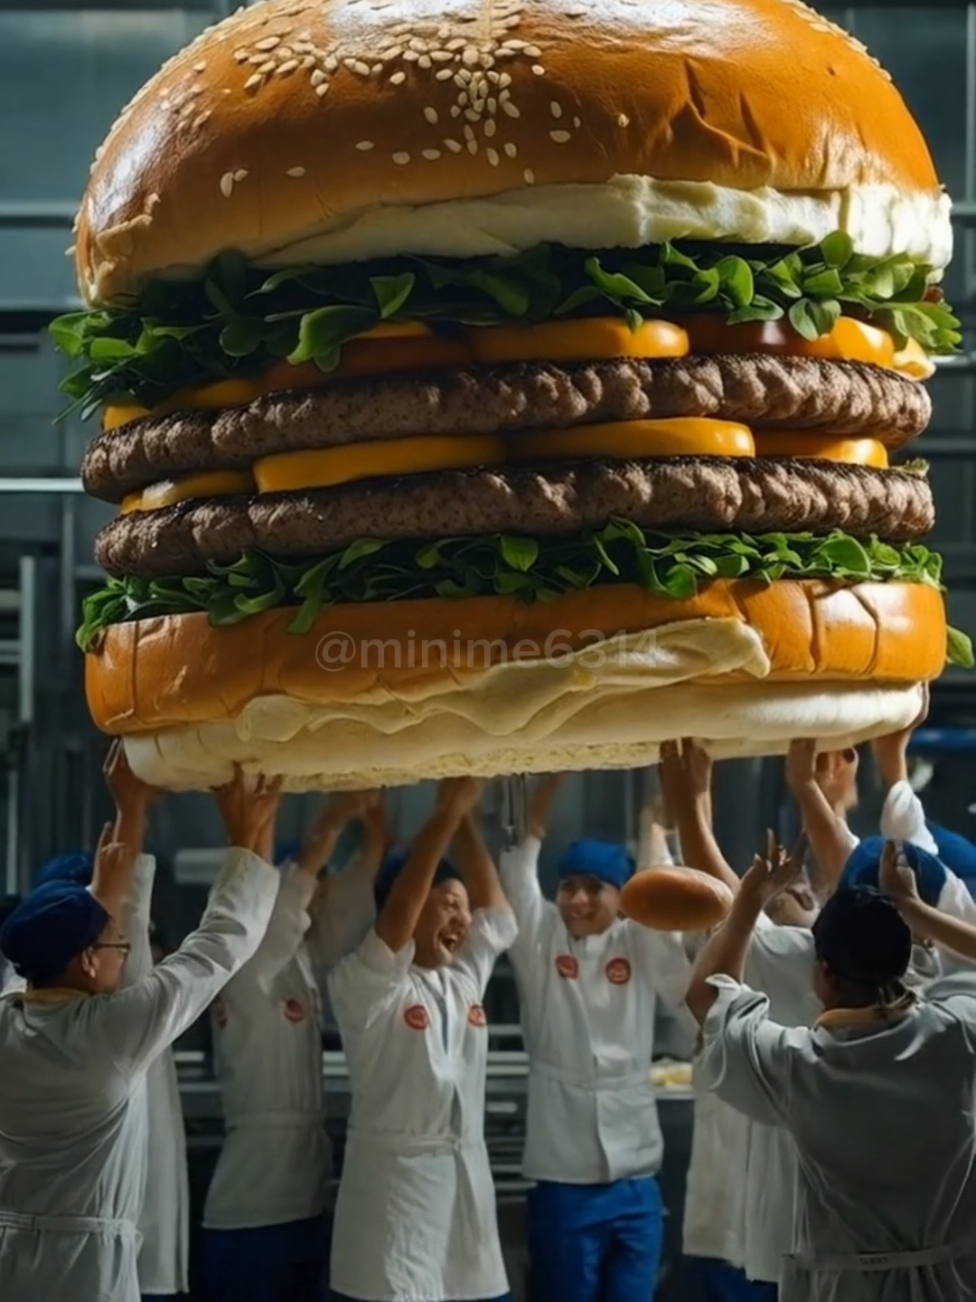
{"type": "Point", "coordinates": [265, 1229]}
{"type": "Point", "coordinates": [588, 985]}
{"type": "Point", "coordinates": [76, 1048]}
{"type": "Point", "coordinates": [885, 1208]}
{"type": "Point", "coordinates": [415, 1217]}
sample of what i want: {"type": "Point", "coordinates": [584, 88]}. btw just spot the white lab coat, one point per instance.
{"type": "Point", "coordinates": [164, 1223]}
{"type": "Point", "coordinates": [587, 1009]}
{"type": "Point", "coordinates": [276, 1161]}
{"type": "Point", "coordinates": [415, 1218]}
{"type": "Point", "coordinates": [883, 1115]}
{"type": "Point", "coordinates": [73, 1123]}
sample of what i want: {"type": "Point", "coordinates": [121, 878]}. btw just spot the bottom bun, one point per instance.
{"type": "Point", "coordinates": [675, 899]}
{"type": "Point", "coordinates": [315, 748]}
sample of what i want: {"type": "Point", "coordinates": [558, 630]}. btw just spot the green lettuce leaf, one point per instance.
{"type": "Point", "coordinates": [532, 569]}
{"type": "Point", "coordinates": [236, 321]}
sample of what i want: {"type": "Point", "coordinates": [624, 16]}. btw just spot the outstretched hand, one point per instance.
{"type": "Point", "coordinates": [896, 877]}
{"type": "Point", "coordinates": [774, 871]}
{"type": "Point", "coordinates": [130, 793]}
{"type": "Point", "coordinates": [249, 814]}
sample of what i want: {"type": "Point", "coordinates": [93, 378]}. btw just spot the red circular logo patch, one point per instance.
{"type": "Point", "coordinates": [476, 1016]}
{"type": "Point", "coordinates": [220, 1013]}
{"type": "Point", "coordinates": [293, 1010]}
{"type": "Point", "coordinates": [567, 967]}
{"type": "Point", "coordinates": [618, 971]}
{"type": "Point", "coordinates": [417, 1017]}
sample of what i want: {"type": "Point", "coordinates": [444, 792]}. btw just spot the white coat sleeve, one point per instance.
{"type": "Point", "coordinates": [342, 914]}
{"type": "Point", "coordinates": [367, 982]}
{"type": "Point", "coordinates": [518, 870]}
{"type": "Point", "coordinates": [664, 962]}
{"type": "Point", "coordinates": [957, 996]}
{"type": "Point", "coordinates": [284, 935]}
{"type": "Point", "coordinates": [492, 932]}
{"type": "Point", "coordinates": [744, 1058]}
{"type": "Point", "coordinates": [903, 818]}
{"type": "Point", "coordinates": [139, 1023]}
{"type": "Point", "coordinates": [138, 912]}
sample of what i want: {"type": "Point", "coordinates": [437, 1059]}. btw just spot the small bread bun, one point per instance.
{"type": "Point", "coordinates": [675, 899]}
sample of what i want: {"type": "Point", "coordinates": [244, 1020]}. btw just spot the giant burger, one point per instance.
{"type": "Point", "coordinates": [505, 385]}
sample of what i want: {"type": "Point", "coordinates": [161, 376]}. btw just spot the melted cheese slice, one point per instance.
{"type": "Point", "coordinates": [819, 447]}
{"type": "Point", "coordinates": [330, 467]}
{"type": "Point", "coordinates": [395, 348]}
{"type": "Point", "coordinates": [168, 492]}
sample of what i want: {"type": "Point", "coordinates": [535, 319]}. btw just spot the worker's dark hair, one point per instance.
{"type": "Point", "coordinates": [7, 905]}
{"type": "Point", "coordinates": [863, 940]}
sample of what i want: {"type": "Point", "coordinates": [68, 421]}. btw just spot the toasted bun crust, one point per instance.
{"type": "Point", "coordinates": [294, 116]}
{"type": "Point", "coordinates": [171, 671]}
{"type": "Point", "coordinates": [675, 899]}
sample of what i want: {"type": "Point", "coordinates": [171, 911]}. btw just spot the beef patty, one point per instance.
{"type": "Point", "coordinates": [698, 493]}
{"type": "Point", "coordinates": [765, 392]}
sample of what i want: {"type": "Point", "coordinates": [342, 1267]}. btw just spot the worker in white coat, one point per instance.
{"type": "Point", "coordinates": [76, 1048]}
{"type": "Point", "coordinates": [588, 983]}
{"type": "Point", "coordinates": [164, 1219]}
{"type": "Point", "coordinates": [885, 1206]}
{"type": "Point", "coordinates": [265, 1231]}
{"type": "Point", "coordinates": [415, 1218]}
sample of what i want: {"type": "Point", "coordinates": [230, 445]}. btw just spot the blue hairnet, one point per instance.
{"type": "Point", "coordinates": [605, 860]}
{"type": "Point", "coordinates": [77, 867]}
{"type": "Point", "coordinates": [51, 926]}
{"type": "Point", "coordinates": [394, 865]}
{"type": "Point", "coordinates": [956, 852]}
{"type": "Point", "coordinates": [862, 938]}
{"type": "Point", "coordinates": [863, 868]}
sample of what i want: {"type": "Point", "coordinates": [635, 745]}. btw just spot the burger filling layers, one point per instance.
{"type": "Point", "coordinates": [530, 425]}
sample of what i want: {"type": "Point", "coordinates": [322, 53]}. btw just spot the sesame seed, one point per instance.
{"type": "Point", "coordinates": [493, 157]}
{"type": "Point", "coordinates": [492, 105]}
{"type": "Point", "coordinates": [538, 70]}
{"type": "Point", "coordinates": [331, 63]}
{"type": "Point", "coordinates": [469, 134]}
{"type": "Point", "coordinates": [623, 120]}
{"type": "Point", "coordinates": [490, 127]}
{"type": "Point", "coordinates": [199, 121]}
{"type": "Point", "coordinates": [560, 137]}
{"type": "Point", "coordinates": [443, 74]}
{"type": "Point", "coordinates": [268, 43]}
{"type": "Point", "coordinates": [473, 115]}
{"type": "Point", "coordinates": [470, 58]}
{"type": "Point", "coordinates": [201, 66]}
{"type": "Point", "coordinates": [398, 79]}
{"type": "Point", "coordinates": [364, 146]}
{"type": "Point", "coordinates": [515, 45]}
{"type": "Point", "coordinates": [472, 146]}
{"type": "Point", "coordinates": [393, 52]}
{"type": "Point", "coordinates": [462, 99]}
{"type": "Point", "coordinates": [533, 52]}
{"type": "Point", "coordinates": [240, 174]}
{"type": "Point", "coordinates": [410, 56]}
{"type": "Point", "coordinates": [376, 69]}
{"type": "Point", "coordinates": [288, 67]}
{"type": "Point", "coordinates": [401, 159]}
{"type": "Point", "coordinates": [424, 61]}
{"type": "Point", "coordinates": [556, 109]}
{"type": "Point", "coordinates": [360, 69]}
{"type": "Point", "coordinates": [455, 111]}
{"type": "Point", "coordinates": [511, 150]}
{"type": "Point", "coordinates": [295, 171]}
{"type": "Point", "coordinates": [265, 68]}
{"type": "Point", "coordinates": [529, 176]}
{"type": "Point", "coordinates": [509, 108]}
{"type": "Point", "coordinates": [322, 90]}
{"type": "Point", "coordinates": [453, 146]}
{"type": "Point", "coordinates": [577, 123]}
{"type": "Point", "coordinates": [256, 59]}
{"type": "Point", "coordinates": [318, 77]}
{"type": "Point", "coordinates": [227, 184]}
{"type": "Point", "coordinates": [441, 56]}
{"type": "Point", "coordinates": [505, 80]}
{"type": "Point", "coordinates": [254, 82]}
{"type": "Point", "coordinates": [242, 56]}
{"type": "Point", "coordinates": [308, 61]}
{"type": "Point", "coordinates": [432, 155]}
{"type": "Point", "coordinates": [431, 115]}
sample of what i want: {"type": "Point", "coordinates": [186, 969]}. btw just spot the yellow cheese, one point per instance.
{"type": "Point", "coordinates": [211, 483]}
{"type": "Point", "coordinates": [327, 467]}
{"type": "Point", "coordinates": [633, 439]}
{"type": "Point", "coordinates": [821, 447]}
{"type": "Point", "coordinates": [577, 341]}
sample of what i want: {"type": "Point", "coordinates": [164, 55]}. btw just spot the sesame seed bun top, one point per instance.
{"type": "Point", "coordinates": [295, 116]}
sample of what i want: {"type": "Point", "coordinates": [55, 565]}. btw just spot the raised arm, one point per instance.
{"type": "Point", "coordinates": [112, 876]}
{"type": "Point", "coordinates": [476, 866]}
{"type": "Point", "coordinates": [816, 785]}
{"type": "Point", "coordinates": [686, 781]}
{"type": "Point", "coordinates": [544, 793]}
{"type": "Point", "coordinates": [897, 880]}
{"type": "Point", "coordinates": [344, 909]}
{"type": "Point", "coordinates": [404, 904]}
{"type": "Point", "coordinates": [903, 815]}
{"type": "Point", "coordinates": [727, 949]}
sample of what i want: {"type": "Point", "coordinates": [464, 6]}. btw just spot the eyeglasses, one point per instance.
{"type": "Point", "coordinates": [122, 946]}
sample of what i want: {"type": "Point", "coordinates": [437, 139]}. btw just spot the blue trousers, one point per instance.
{"type": "Point", "coordinates": [275, 1263]}
{"type": "Point", "coordinates": [706, 1279]}
{"type": "Point", "coordinates": [595, 1242]}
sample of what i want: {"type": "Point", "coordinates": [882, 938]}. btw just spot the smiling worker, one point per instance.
{"type": "Point", "coordinates": [588, 983]}
{"type": "Point", "coordinates": [76, 1049]}
{"type": "Point", "coordinates": [415, 1219]}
